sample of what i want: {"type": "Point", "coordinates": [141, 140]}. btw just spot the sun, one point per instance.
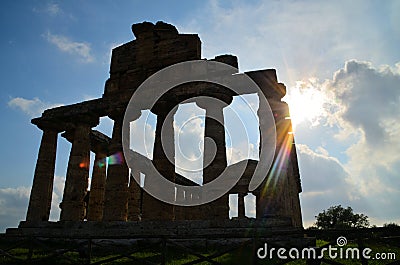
{"type": "Point", "coordinates": [306, 103]}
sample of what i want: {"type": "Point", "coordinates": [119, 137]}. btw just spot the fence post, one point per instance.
{"type": "Point", "coordinates": [30, 248]}
{"type": "Point", "coordinates": [361, 248]}
{"type": "Point", "coordinates": [254, 251]}
{"type": "Point", "coordinates": [89, 253]}
{"type": "Point", "coordinates": [163, 251]}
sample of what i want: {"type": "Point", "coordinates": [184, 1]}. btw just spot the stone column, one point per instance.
{"type": "Point", "coordinates": [97, 188]}
{"type": "Point", "coordinates": [134, 199]}
{"type": "Point", "coordinates": [42, 188]}
{"type": "Point", "coordinates": [76, 183]}
{"type": "Point", "coordinates": [271, 196]}
{"type": "Point", "coordinates": [214, 129]}
{"type": "Point", "coordinates": [241, 206]}
{"type": "Point", "coordinates": [116, 195]}
{"type": "Point", "coordinates": [295, 187]}
{"type": "Point", "coordinates": [153, 208]}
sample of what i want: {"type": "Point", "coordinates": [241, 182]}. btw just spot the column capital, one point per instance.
{"type": "Point", "coordinates": [71, 123]}
{"type": "Point", "coordinates": [46, 124]}
{"type": "Point", "coordinates": [214, 104]}
{"type": "Point", "coordinates": [164, 107]}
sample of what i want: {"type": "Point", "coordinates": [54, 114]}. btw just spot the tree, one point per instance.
{"type": "Point", "coordinates": [391, 225]}
{"type": "Point", "coordinates": [337, 217]}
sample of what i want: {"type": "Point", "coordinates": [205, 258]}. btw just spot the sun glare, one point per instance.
{"type": "Point", "coordinates": [305, 103]}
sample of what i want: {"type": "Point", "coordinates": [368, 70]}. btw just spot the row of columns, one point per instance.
{"type": "Point", "coordinates": [111, 198]}
{"type": "Point", "coordinates": [109, 193]}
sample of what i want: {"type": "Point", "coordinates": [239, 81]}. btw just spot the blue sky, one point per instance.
{"type": "Point", "coordinates": [339, 60]}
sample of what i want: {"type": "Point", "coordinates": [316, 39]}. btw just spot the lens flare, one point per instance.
{"type": "Point", "coordinates": [101, 163]}
{"type": "Point", "coordinates": [306, 102]}
{"type": "Point", "coordinates": [84, 164]}
{"type": "Point", "coordinates": [282, 157]}
{"type": "Point", "coordinates": [115, 159]}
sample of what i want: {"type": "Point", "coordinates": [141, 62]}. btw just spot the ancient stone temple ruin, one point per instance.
{"type": "Point", "coordinates": [114, 194]}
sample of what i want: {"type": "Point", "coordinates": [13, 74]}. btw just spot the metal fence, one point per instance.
{"type": "Point", "coordinates": [164, 250]}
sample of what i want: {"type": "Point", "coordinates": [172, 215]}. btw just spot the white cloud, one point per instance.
{"type": "Point", "coordinates": [250, 205]}
{"type": "Point", "coordinates": [189, 144]}
{"type": "Point", "coordinates": [369, 97]}
{"type": "Point", "coordinates": [58, 191]}
{"type": "Point", "coordinates": [32, 107]}
{"type": "Point", "coordinates": [14, 203]}
{"type": "Point", "coordinates": [241, 151]}
{"type": "Point", "coordinates": [325, 183]}
{"type": "Point", "coordinates": [142, 134]}
{"type": "Point", "coordinates": [233, 205]}
{"type": "Point", "coordinates": [64, 44]}
{"type": "Point", "coordinates": [105, 126]}
{"type": "Point", "coordinates": [300, 39]}
{"type": "Point", "coordinates": [54, 10]}
{"type": "Point", "coordinates": [13, 206]}
{"type": "Point", "coordinates": [364, 116]}
{"type": "Point", "coordinates": [242, 129]}
{"type": "Point", "coordinates": [321, 172]}
{"type": "Point", "coordinates": [51, 9]}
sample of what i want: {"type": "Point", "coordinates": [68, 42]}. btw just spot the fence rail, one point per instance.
{"type": "Point", "coordinates": [86, 250]}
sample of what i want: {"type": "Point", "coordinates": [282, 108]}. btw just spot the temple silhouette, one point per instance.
{"type": "Point", "coordinates": [116, 203]}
